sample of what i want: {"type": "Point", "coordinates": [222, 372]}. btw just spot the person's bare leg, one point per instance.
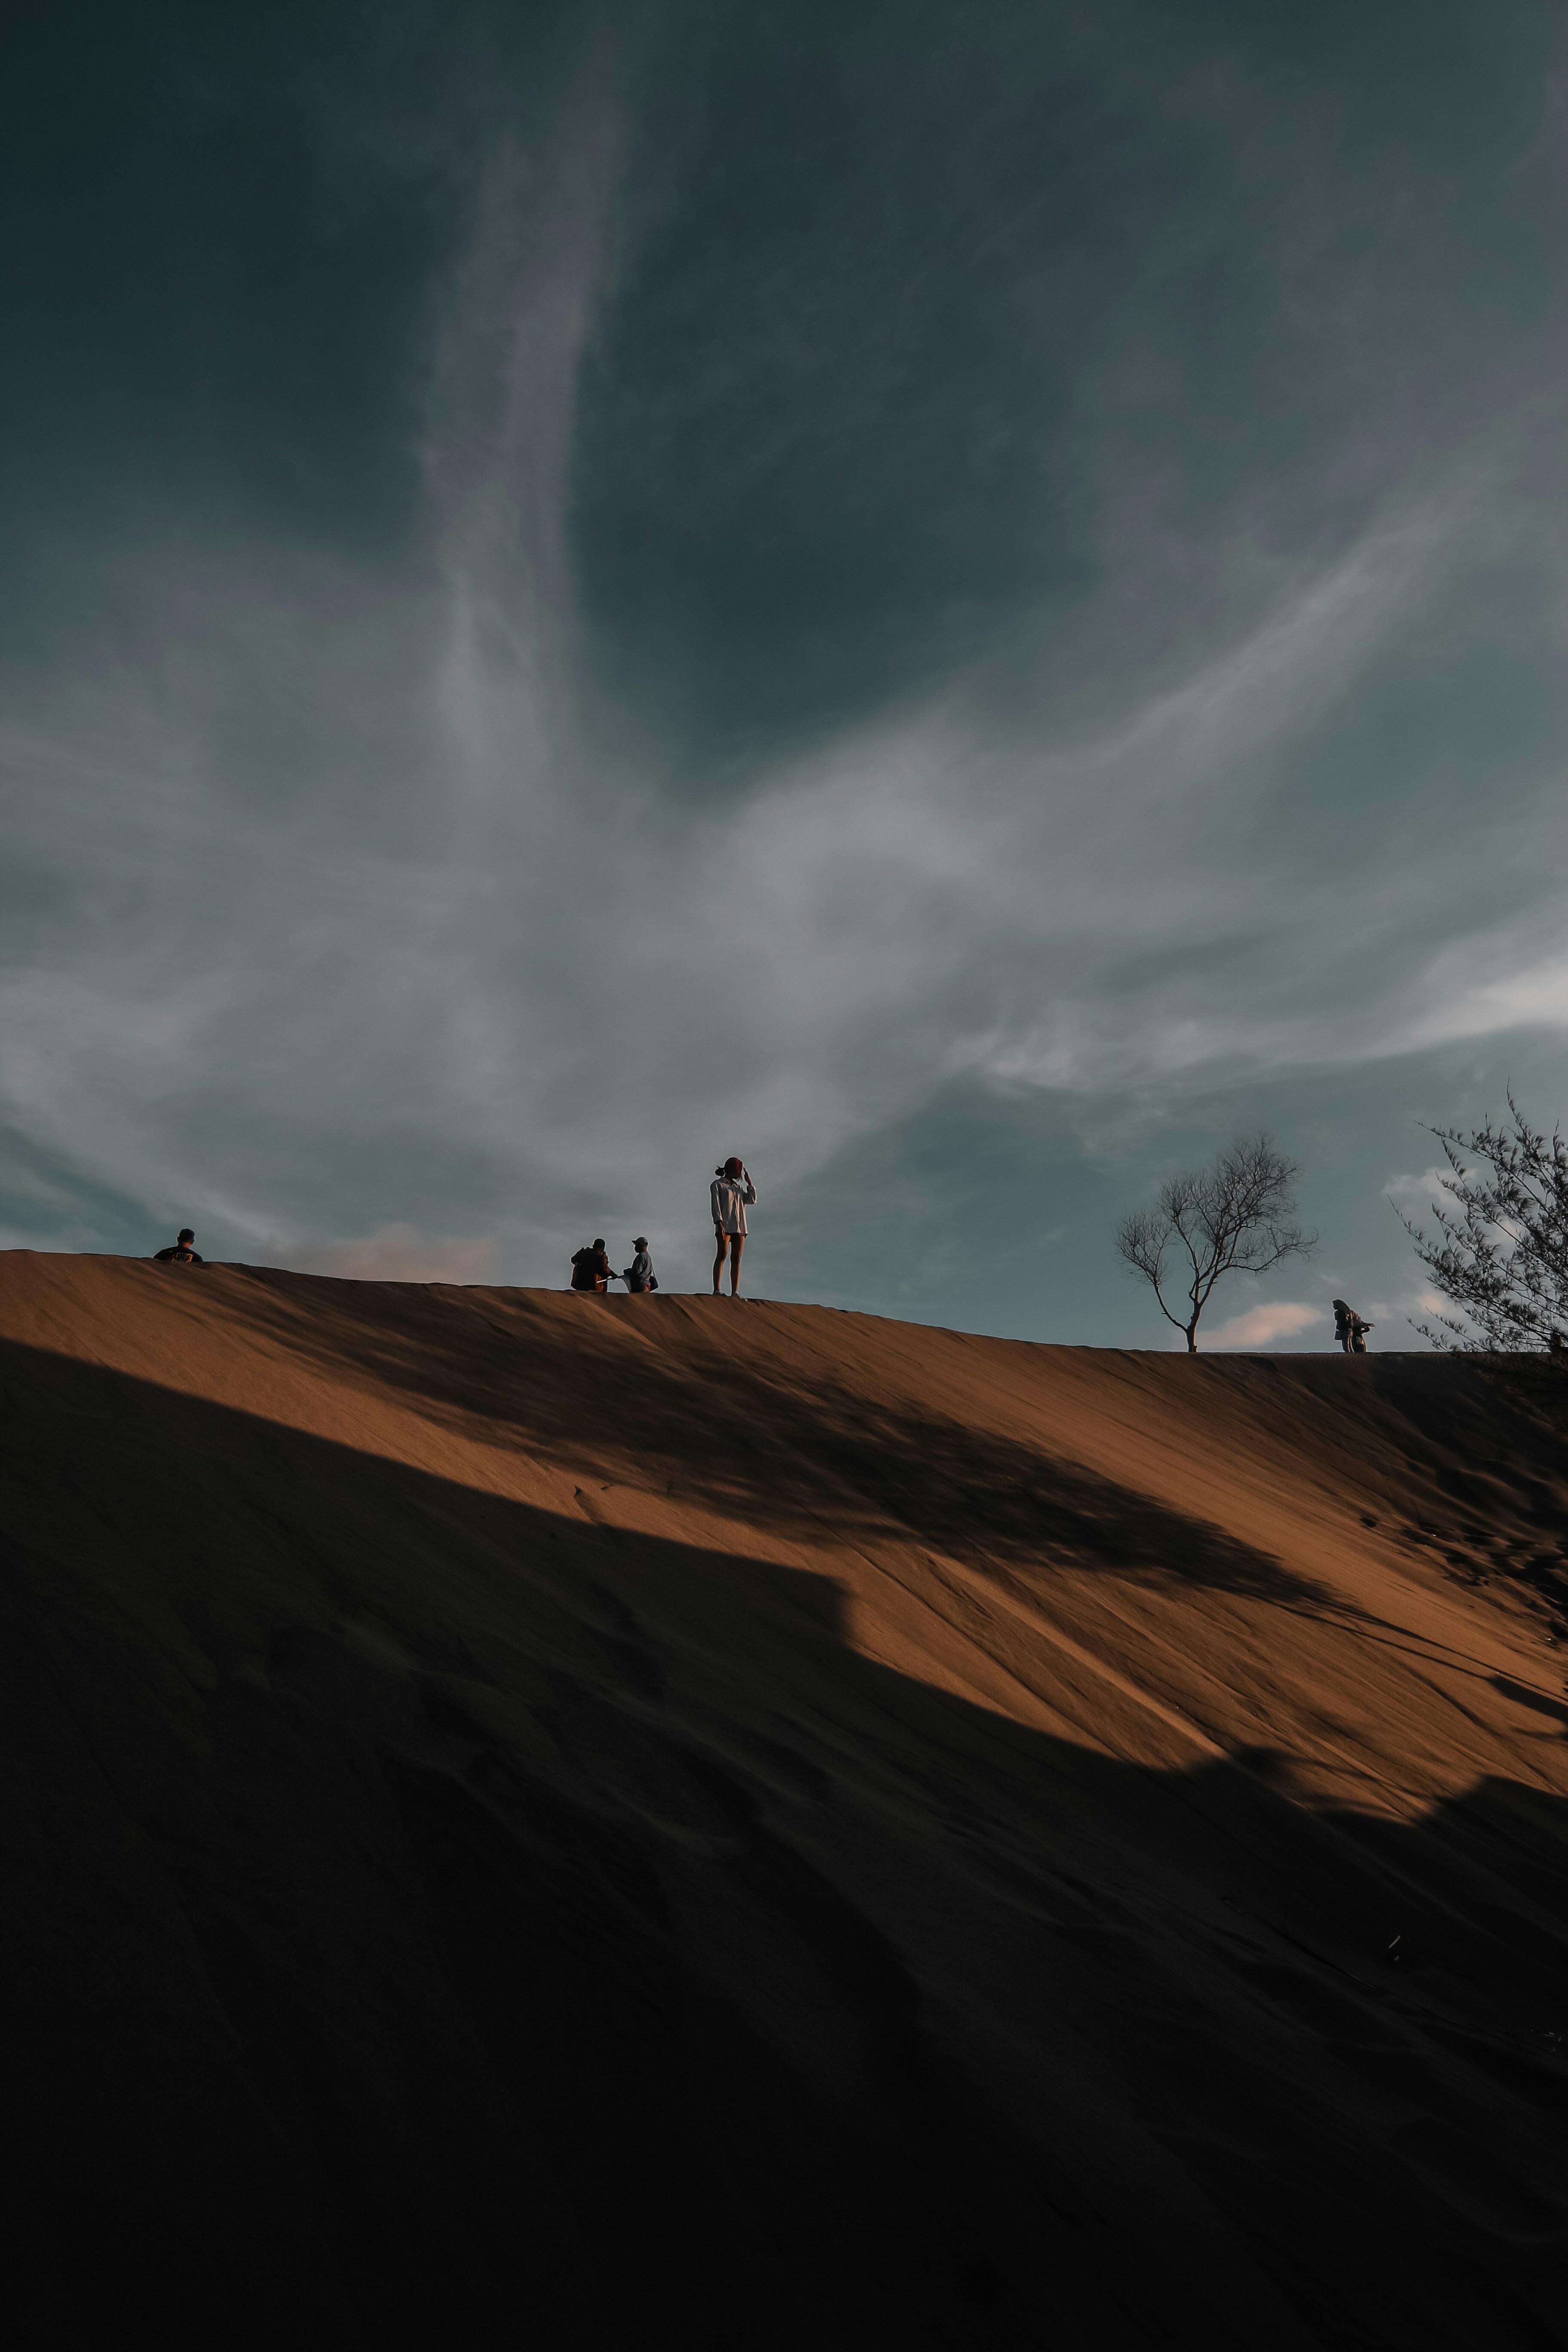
{"type": "Point", "coordinates": [723, 1241]}
{"type": "Point", "coordinates": [737, 1244]}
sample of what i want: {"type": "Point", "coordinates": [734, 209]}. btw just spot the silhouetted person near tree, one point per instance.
{"type": "Point", "coordinates": [180, 1253]}
{"type": "Point", "coordinates": [591, 1268]}
{"type": "Point", "coordinates": [731, 1193]}
{"type": "Point", "coordinates": [1348, 1329]}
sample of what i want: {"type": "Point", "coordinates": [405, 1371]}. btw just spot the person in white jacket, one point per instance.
{"type": "Point", "coordinates": [731, 1193]}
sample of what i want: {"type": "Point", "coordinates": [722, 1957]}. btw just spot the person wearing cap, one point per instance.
{"type": "Point", "coordinates": [180, 1253]}
{"type": "Point", "coordinates": [639, 1274]}
{"type": "Point", "coordinates": [731, 1193]}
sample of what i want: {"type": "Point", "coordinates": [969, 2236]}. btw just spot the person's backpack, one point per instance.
{"type": "Point", "coordinates": [584, 1269]}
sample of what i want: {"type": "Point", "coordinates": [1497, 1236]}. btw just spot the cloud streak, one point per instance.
{"type": "Point", "coordinates": [1261, 1327]}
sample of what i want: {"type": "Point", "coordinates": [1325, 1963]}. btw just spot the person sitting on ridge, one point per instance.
{"type": "Point", "coordinates": [180, 1253]}
{"type": "Point", "coordinates": [731, 1193]}
{"type": "Point", "coordinates": [639, 1274]}
{"type": "Point", "coordinates": [591, 1268]}
{"type": "Point", "coordinates": [1350, 1331]}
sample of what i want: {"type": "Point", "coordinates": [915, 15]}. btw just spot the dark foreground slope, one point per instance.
{"type": "Point", "coordinates": [544, 1821]}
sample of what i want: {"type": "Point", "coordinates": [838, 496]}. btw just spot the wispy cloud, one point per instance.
{"type": "Point", "coordinates": [1259, 1326]}
{"type": "Point", "coordinates": [1511, 976]}
{"type": "Point", "coordinates": [1395, 1315]}
{"type": "Point", "coordinates": [1412, 1191]}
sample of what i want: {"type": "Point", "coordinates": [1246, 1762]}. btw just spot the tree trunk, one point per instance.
{"type": "Point", "coordinates": [1192, 1330]}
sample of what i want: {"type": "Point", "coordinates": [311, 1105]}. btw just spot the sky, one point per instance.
{"type": "Point", "coordinates": [967, 602]}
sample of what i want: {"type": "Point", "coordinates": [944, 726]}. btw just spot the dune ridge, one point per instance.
{"type": "Point", "coordinates": [535, 1818]}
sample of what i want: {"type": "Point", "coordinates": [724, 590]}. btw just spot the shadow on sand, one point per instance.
{"type": "Point", "coordinates": [985, 1496]}
{"type": "Point", "coordinates": [435, 1922]}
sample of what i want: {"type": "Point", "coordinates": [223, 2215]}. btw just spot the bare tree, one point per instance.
{"type": "Point", "coordinates": [1500, 1254]}
{"type": "Point", "coordinates": [1232, 1217]}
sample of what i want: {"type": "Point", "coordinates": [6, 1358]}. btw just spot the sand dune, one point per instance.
{"type": "Point", "coordinates": [546, 1820]}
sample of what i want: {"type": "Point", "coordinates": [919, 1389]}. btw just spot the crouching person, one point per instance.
{"type": "Point", "coordinates": [639, 1274]}
{"type": "Point", "coordinates": [180, 1253]}
{"type": "Point", "coordinates": [591, 1267]}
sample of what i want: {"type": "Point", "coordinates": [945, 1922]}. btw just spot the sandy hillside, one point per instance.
{"type": "Point", "coordinates": [553, 1821]}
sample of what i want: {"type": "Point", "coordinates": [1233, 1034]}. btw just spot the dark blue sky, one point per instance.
{"type": "Point", "coordinates": [965, 603]}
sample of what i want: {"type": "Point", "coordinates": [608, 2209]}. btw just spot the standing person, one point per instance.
{"type": "Point", "coordinates": [591, 1268]}
{"type": "Point", "coordinates": [639, 1274]}
{"type": "Point", "coordinates": [1350, 1331]}
{"type": "Point", "coordinates": [180, 1253]}
{"type": "Point", "coordinates": [731, 1193]}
